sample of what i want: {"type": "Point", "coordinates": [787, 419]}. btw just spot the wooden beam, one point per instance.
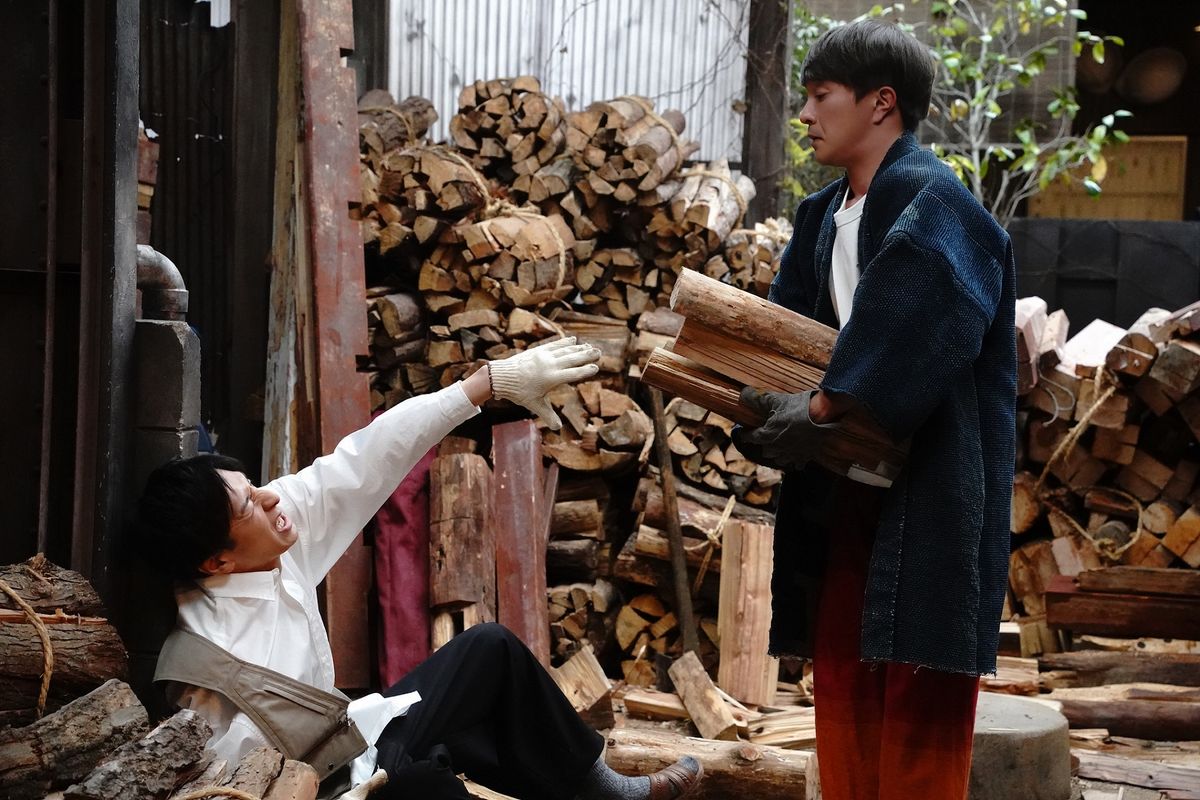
{"type": "Point", "coordinates": [1120, 614]}
{"type": "Point", "coordinates": [1101, 667]}
{"type": "Point", "coordinates": [521, 521]}
{"type": "Point", "coordinates": [1142, 580]}
{"type": "Point", "coordinates": [462, 547]}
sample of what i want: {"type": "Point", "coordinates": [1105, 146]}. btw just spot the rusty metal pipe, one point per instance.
{"type": "Point", "coordinates": [164, 295]}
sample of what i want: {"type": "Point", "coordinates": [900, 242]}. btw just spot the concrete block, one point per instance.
{"type": "Point", "coordinates": [152, 448]}
{"type": "Point", "coordinates": [167, 366]}
{"type": "Point", "coordinates": [1021, 751]}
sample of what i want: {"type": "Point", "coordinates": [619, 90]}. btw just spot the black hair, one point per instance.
{"type": "Point", "coordinates": [183, 516]}
{"type": "Point", "coordinates": [868, 54]}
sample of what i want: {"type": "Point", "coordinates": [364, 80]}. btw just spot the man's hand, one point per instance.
{"type": "Point", "coordinates": [788, 438]}
{"type": "Point", "coordinates": [526, 377]}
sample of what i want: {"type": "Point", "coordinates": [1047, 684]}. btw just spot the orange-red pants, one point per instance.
{"type": "Point", "coordinates": [885, 731]}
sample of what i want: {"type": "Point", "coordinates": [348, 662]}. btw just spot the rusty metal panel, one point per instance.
{"type": "Point", "coordinates": [330, 159]}
{"type": "Point", "coordinates": [685, 54]}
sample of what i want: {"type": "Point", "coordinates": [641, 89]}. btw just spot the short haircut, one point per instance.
{"type": "Point", "coordinates": [183, 516]}
{"type": "Point", "coordinates": [867, 55]}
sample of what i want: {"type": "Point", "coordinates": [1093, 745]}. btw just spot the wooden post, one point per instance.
{"type": "Point", "coordinates": [683, 597]}
{"type": "Point", "coordinates": [462, 547]}
{"type": "Point", "coordinates": [521, 521]}
{"type": "Point", "coordinates": [744, 613]}
{"type": "Point", "coordinates": [767, 63]}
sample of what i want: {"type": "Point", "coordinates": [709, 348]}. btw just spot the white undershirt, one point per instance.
{"type": "Point", "coordinates": [843, 280]}
{"type": "Point", "coordinates": [272, 618]}
{"type": "Point", "coordinates": [844, 274]}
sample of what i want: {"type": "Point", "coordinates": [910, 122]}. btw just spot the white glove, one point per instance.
{"type": "Point", "coordinates": [526, 377]}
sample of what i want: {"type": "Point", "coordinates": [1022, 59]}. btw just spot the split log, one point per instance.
{"type": "Point", "coordinates": [587, 688]}
{"type": "Point", "coordinates": [730, 768]}
{"type": "Point", "coordinates": [296, 781]}
{"type": "Point", "coordinates": [744, 619]}
{"type": "Point", "coordinates": [257, 770]}
{"type": "Point", "coordinates": [708, 711]}
{"type": "Point", "coordinates": [64, 747]}
{"type": "Point", "coordinates": [150, 766]}
{"type": "Point", "coordinates": [462, 548]}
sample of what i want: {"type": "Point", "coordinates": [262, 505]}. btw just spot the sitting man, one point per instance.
{"type": "Point", "coordinates": [251, 656]}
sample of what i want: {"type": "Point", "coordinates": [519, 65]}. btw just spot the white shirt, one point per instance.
{"type": "Point", "coordinates": [843, 281]}
{"type": "Point", "coordinates": [844, 273]}
{"type": "Point", "coordinates": [272, 618]}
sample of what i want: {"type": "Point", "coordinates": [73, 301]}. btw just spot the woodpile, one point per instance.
{"type": "Point", "coordinates": [102, 747]}
{"type": "Point", "coordinates": [1107, 471]}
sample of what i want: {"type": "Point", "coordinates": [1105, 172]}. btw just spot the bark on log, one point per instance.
{"type": "Point", "coordinates": [731, 769]}
{"type": "Point", "coordinates": [86, 654]}
{"type": "Point", "coordinates": [47, 587]}
{"type": "Point", "coordinates": [151, 766]}
{"type": "Point", "coordinates": [720, 307]}
{"type": "Point", "coordinates": [65, 746]}
{"type": "Point", "coordinates": [1101, 668]}
{"type": "Point", "coordinates": [462, 566]}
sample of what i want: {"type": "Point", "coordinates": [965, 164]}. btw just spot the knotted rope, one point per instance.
{"type": "Point", "coordinates": [712, 542]}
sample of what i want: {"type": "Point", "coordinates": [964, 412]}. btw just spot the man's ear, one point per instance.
{"type": "Point", "coordinates": [885, 103]}
{"type": "Point", "coordinates": [217, 565]}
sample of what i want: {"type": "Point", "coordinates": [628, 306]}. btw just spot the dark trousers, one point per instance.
{"type": "Point", "coordinates": [488, 710]}
{"type": "Point", "coordinates": [885, 731]}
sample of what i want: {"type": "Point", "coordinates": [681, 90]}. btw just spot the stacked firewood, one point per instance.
{"type": "Point", "coordinates": [508, 127]}
{"type": "Point", "coordinates": [751, 256]}
{"type": "Point", "coordinates": [707, 456]}
{"type": "Point", "coordinates": [1108, 461]}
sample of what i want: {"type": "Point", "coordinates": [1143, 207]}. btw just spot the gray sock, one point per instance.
{"type": "Point", "coordinates": [602, 783]}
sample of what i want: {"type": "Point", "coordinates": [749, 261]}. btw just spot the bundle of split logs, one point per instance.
{"type": "Point", "coordinates": [1107, 463]}
{"type": "Point", "coordinates": [507, 127]}
{"type": "Point", "coordinates": [731, 339]}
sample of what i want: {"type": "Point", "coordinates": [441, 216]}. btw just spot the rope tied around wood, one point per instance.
{"type": "Point", "coordinates": [47, 648]}
{"type": "Point", "coordinates": [1105, 547]}
{"type": "Point", "coordinates": [737, 193]}
{"type": "Point", "coordinates": [774, 235]}
{"type": "Point", "coordinates": [712, 542]}
{"type": "Point", "coordinates": [645, 105]}
{"type": "Point", "coordinates": [499, 207]}
{"type": "Point", "coordinates": [410, 135]}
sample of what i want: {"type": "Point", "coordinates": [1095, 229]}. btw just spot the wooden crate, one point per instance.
{"type": "Point", "coordinates": [1145, 181]}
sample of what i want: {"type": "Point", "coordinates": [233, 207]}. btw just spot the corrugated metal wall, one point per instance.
{"type": "Point", "coordinates": [685, 54]}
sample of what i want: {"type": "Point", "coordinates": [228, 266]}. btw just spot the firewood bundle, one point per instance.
{"type": "Point", "coordinates": [385, 125]}
{"type": "Point", "coordinates": [693, 216]}
{"type": "Point", "coordinates": [411, 196]}
{"type": "Point", "coordinates": [1107, 468]}
{"type": "Point", "coordinates": [398, 339]}
{"type": "Point", "coordinates": [700, 440]}
{"type": "Point", "coordinates": [750, 260]}
{"type": "Point", "coordinates": [508, 127]}
{"type": "Point", "coordinates": [623, 147]}
{"type": "Point", "coordinates": [581, 614]}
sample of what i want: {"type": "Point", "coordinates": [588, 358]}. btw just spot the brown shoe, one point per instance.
{"type": "Point", "coordinates": [677, 780]}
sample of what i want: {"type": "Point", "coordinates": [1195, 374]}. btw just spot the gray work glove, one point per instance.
{"type": "Point", "coordinates": [526, 377]}
{"type": "Point", "coordinates": [788, 438]}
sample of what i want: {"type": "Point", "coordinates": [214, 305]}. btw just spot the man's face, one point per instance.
{"type": "Point", "coordinates": [838, 123]}
{"type": "Point", "coordinates": [260, 531]}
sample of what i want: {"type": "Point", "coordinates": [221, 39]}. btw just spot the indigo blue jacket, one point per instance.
{"type": "Point", "coordinates": [930, 352]}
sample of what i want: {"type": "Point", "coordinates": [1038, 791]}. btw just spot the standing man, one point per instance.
{"type": "Point", "coordinates": [894, 590]}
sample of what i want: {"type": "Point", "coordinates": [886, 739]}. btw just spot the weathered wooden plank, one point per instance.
{"type": "Point", "coordinates": [1120, 614]}
{"type": "Point", "coordinates": [521, 520]}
